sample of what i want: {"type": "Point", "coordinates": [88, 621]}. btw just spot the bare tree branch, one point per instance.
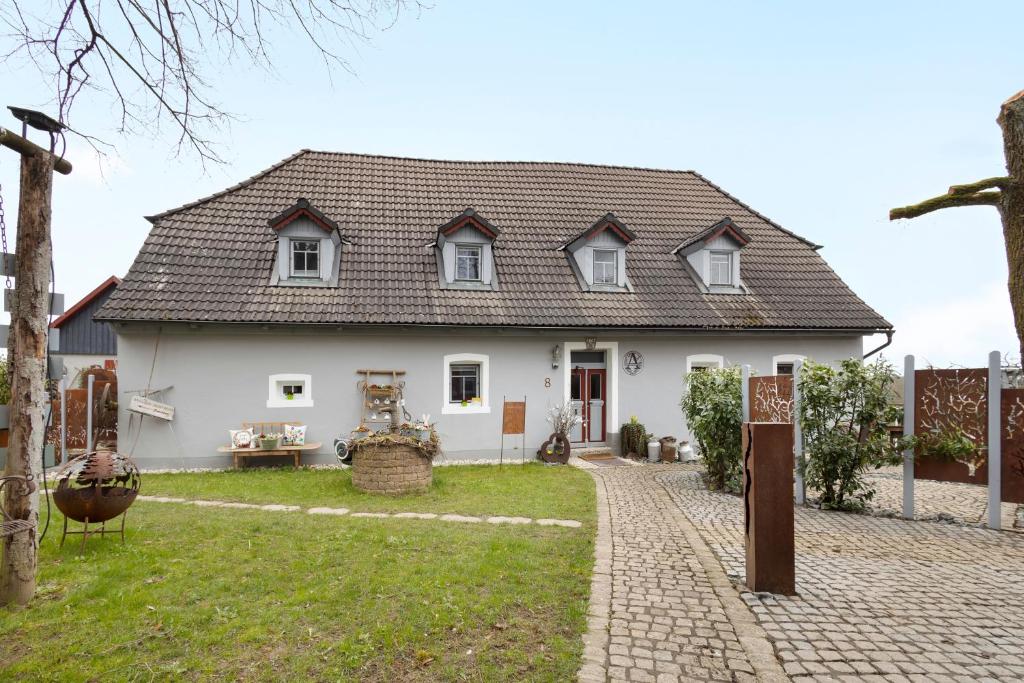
{"type": "Point", "coordinates": [946, 201]}
{"type": "Point", "coordinates": [1000, 183]}
{"type": "Point", "coordinates": [151, 58]}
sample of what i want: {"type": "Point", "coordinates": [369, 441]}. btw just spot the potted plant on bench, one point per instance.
{"type": "Point", "coordinates": [271, 441]}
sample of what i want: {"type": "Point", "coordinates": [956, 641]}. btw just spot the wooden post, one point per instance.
{"type": "Point", "coordinates": [26, 353]}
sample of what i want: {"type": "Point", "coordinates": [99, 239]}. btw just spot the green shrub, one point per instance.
{"type": "Point", "coordinates": [713, 406]}
{"type": "Point", "coordinates": [844, 415]}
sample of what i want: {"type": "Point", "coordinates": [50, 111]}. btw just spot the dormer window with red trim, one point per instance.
{"type": "Point", "coordinates": [309, 246]}
{"type": "Point", "coordinates": [712, 257]}
{"type": "Point", "coordinates": [598, 255]}
{"type": "Point", "coordinates": [465, 252]}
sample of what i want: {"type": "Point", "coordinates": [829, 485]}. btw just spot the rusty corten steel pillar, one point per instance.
{"type": "Point", "coordinates": [768, 506]}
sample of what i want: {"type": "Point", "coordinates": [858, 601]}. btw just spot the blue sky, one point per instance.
{"type": "Point", "coordinates": [819, 116]}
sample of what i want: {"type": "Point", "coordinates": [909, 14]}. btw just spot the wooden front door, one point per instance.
{"type": "Point", "coordinates": [588, 391]}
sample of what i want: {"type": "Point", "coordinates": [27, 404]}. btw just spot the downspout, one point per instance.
{"type": "Point", "coordinates": [888, 341]}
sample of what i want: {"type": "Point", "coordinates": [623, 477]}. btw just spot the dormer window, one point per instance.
{"type": "Point", "coordinates": [309, 247]}
{"type": "Point", "coordinates": [605, 268]}
{"type": "Point", "coordinates": [721, 268]}
{"type": "Point", "coordinates": [305, 258]}
{"type": "Point", "coordinates": [598, 256]}
{"type": "Point", "coordinates": [467, 262]}
{"type": "Point", "coordinates": [712, 257]}
{"type": "Point", "coordinates": [465, 253]}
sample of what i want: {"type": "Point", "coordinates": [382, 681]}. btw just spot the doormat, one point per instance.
{"type": "Point", "coordinates": [595, 457]}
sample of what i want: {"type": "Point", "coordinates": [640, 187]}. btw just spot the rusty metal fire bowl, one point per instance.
{"type": "Point", "coordinates": [95, 488]}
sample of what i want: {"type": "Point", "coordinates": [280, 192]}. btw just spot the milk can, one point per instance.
{"type": "Point", "coordinates": [653, 450]}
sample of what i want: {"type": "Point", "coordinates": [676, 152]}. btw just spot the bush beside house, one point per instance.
{"type": "Point", "coordinates": [713, 406]}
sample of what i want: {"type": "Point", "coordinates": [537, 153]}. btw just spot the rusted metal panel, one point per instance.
{"type": "Point", "coordinates": [946, 400]}
{"type": "Point", "coordinates": [514, 418]}
{"type": "Point", "coordinates": [1013, 446]}
{"type": "Point", "coordinates": [771, 398]}
{"type": "Point", "coordinates": [768, 507]}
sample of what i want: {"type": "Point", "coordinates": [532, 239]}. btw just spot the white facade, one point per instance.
{"type": "Point", "coordinates": [220, 378]}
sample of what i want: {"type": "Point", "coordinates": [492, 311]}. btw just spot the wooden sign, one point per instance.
{"type": "Point", "coordinates": [514, 418]}
{"type": "Point", "coordinates": [147, 406]}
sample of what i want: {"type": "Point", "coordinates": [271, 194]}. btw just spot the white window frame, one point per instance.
{"type": "Point", "coordinates": [786, 358]}
{"type": "Point", "coordinates": [305, 274]}
{"type": "Point", "coordinates": [478, 248]}
{"type": "Point", "coordinates": [614, 266]}
{"type": "Point", "coordinates": [449, 408]}
{"type": "Point", "coordinates": [704, 360]}
{"type": "Point", "coordinates": [275, 393]}
{"type": "Point", "coordinates": [728, 265]}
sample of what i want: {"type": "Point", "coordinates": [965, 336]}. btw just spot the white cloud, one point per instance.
{"type": "Point", "coordinates": [959, 331]}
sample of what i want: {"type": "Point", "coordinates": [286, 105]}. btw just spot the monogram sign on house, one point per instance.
{"type": "Point", "coordinates": [632, 362]}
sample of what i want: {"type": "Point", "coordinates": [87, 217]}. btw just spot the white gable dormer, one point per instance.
{"type": "Point", "coordinates": [309, 247]}
{"type": "Point", "coordinates": [713, 257]}
{"type": "Point", "coordinates": [465, 252]}
{"type": "Point", "coordinates": [598, 256]}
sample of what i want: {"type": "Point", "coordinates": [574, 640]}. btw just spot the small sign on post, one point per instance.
{"type": "Point", "coordinates": [147, 406]}
{"type": "Point", "coordinates": [767, 449]}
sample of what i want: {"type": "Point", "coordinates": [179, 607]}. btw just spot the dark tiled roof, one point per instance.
{"type": "Point", "coordinates": [211, 260]}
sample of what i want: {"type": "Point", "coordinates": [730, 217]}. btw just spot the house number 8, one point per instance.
{"type": "Point", "coordinates": [547, 382]}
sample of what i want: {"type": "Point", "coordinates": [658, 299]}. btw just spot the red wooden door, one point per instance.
{"type": "Point", "coordinates": [588, 387]}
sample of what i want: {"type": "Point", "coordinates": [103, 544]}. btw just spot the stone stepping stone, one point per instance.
{"type": "Point", "coordinates": [460, 518]}
{"type": "Point", "coordinates": [569, 523]}
{"type": "Point", "coordinates": [509, 520]}
{"type": "Point", "coordinates": [280, 508]}
{"type": "Point", "coordinates": [415, 515]}
{"type": "Point", "coordinates": [163, 499]}
{"type": "Point", "coordinates": [377, 515]}
{"type": "Point", "coordinates": [327, 511]}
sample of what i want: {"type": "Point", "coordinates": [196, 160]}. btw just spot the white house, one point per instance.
{"type": "Point", "coordinates": [481, 281]}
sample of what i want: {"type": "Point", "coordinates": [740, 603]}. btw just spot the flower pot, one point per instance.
{"type": "Point", "coordinates": [270, 444]}
{"type": "Point", "coordinates": [423, 434]}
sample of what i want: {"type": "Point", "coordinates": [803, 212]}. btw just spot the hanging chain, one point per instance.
{"type": "Point", "coordinates": [3, 238]}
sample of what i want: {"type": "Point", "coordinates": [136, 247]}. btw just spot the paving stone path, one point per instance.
{"type": "Point", "coordinates": [879, 599]}
{"type": "Point", "coordinates": [947, 501]}
{"type": "Point", "coordinates": [662, 608]}
{"type": "Point", "coordinates": [338, 512]}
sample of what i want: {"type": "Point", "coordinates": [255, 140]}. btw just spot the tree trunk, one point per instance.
{"type": "Point", "coordinates": [1011, 120]}
{"type": "Point", "coordinates": [27, 358]}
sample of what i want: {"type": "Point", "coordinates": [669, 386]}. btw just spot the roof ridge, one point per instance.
{"type": "Point", "coordinates": [237, 186]}
{"type": "Point", "coordinates": [757, 213]}
{"type": "Point", "coordinates": [394, 157]}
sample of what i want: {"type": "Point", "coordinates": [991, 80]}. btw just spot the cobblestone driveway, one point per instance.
{"type": "Point", "coordinates": [879, 597]}
{"type": "Point", "coordinates": [662, 608]}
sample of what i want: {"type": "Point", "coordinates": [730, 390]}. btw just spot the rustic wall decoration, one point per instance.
{"type": "Point", "coordinates": [632, 363]}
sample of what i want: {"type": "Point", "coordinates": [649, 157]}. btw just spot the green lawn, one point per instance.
{"type": "Point", "coordinates": [532, 490]}
{"type": "Point", "coordinates": [221, 594]}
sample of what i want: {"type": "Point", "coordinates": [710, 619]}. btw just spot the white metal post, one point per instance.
{"type": "Point", "coordinates": [88, 413]}
{"type": "Point", "coordinates": [63, 420]}
{"type": "Point", "coordinates": [798, 436]}
{"type": "Point", "coordinates": [745, 391]}
{"type": "Point", "coordinates": [908, 430]}
{"type": "Point", "coordinates": [995, 445]}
